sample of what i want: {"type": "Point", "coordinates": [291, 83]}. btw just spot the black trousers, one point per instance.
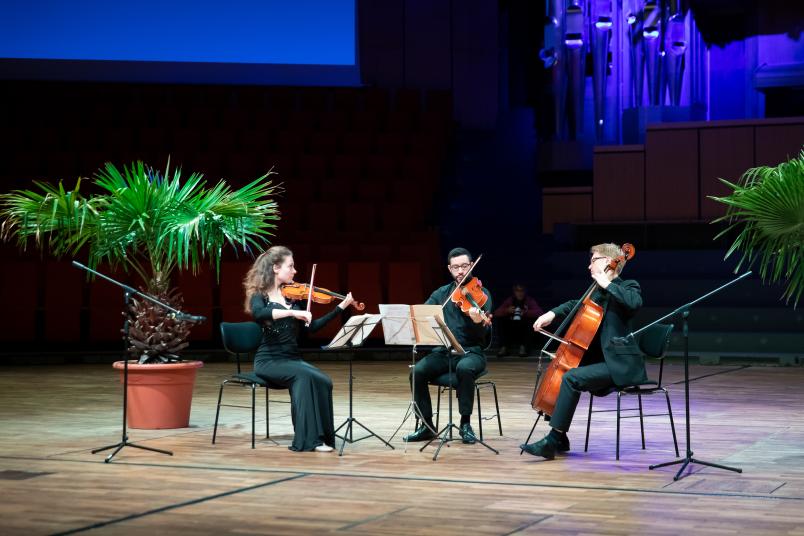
{"type": "Point", "coordinates": [594, 377]}
{"type": "Point", "coordinates": [467, 368]}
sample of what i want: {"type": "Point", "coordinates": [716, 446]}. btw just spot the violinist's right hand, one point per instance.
{"type": "Point", "coordinates": [304, 316]}
{"type": "Point", "coordinates": [544, 320]}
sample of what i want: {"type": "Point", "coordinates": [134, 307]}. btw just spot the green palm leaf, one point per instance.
{"type": "Point", "coordinates": [766, 211]}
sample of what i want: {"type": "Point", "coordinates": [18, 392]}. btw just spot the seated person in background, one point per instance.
{"type": "Point", "coordinates": [515, 320]}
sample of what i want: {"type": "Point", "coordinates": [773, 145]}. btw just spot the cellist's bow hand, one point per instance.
{"type": "Point", "coordinates": [544, 320]}
{"type": "Point", "coordinates": [347, 301]}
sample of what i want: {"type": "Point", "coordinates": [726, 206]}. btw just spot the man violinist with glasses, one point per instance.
{"type": "Point", "coordinates": [471, 331]}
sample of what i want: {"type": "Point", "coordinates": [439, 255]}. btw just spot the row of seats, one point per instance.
{"type": "Point", "coordinates": [53, 302]}
{"type": "Point", "coordinates": [77, 101]}
{"type": "Point", "coordinates": [260, 134]}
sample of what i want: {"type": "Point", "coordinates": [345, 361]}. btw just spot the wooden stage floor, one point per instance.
{"type": "Point", "coordinates": [51, 417]}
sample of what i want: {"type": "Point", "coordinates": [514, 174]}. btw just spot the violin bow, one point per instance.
{"type": "Point", "coordinates": [310, 292]}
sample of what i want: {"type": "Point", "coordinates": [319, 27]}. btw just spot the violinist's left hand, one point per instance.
{"type": "Point", "coordinates": [347, 301]}
{"type": "Point", "coordinates": [474, 314]}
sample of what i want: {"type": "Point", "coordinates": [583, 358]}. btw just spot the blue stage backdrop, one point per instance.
{"type": "Point", "coordinates": [310, 42]}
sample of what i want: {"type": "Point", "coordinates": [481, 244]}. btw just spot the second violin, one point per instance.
{"type": "Point", "coordinates": [301, 291]}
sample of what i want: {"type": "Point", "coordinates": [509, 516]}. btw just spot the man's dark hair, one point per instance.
{"type": "Point", "coordinates": [457, 252]}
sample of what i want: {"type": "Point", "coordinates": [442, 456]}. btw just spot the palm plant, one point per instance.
{"type": "Point", "coordinates": [149, 222]}
{"type": "Point", "coordinates": [766, 210]}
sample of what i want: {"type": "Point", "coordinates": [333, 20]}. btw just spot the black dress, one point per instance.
{"type": "Point", "coordinates": [278, 360]}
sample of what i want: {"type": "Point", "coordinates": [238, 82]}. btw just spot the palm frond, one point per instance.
{"type": "Point", "coordinates": [766, 210]}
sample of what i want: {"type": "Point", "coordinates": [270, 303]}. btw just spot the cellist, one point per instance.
{"type": "Point", "coordinates": [601, 368]}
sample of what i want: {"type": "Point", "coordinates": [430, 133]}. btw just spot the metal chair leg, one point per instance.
{"type": "Point", "coordinates": [253, 408]}
{"type": "Point", "coordinates": [438, 407]}
{"type": "Point", "coordinates": [497, 406]}
{"type": "Point", "coordinates": [267, 414]}
{"type": "Point", "coordinates": [479, 412]}
{"type": "Point", "coordinates": [588, 423]}
{"type": "Point", "coordinates": [641, 421]}
{"type": "Point", "coordinates": [618, 426]}
{"type": "Point", "coordinates": [217, 412]}
{"type": "Point", "coordinates": [672, 424]}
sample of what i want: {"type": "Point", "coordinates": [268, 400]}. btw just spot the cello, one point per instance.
{"type": "Point", "coordinates": [586, 319]}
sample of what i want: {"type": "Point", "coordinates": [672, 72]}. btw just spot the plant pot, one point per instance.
{"type": "Point", "coordinates": [160, 395]}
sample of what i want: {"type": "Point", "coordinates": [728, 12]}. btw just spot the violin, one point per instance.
{"type": "Point", "coordinates": [469, 295]}
{"type": "Point", "coordinates": [301, 291]}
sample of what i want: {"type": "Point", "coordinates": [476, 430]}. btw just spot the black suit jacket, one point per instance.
{"type": "Point", "coordinates": [620, 302]}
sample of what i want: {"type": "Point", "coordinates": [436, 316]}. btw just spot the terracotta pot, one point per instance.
{"type": "Point", "coordinates": [159, 396]}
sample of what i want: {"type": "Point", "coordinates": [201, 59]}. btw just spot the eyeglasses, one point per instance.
{"type": "Point", "coordinates": [456, 267]}
{"type": "Point", "coordinates": [595, 259]}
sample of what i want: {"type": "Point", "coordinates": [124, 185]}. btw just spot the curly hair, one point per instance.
{"type": "Point", "coordinates": [611, 251]}
{"type": "Point", "coordinates": [261, 278]}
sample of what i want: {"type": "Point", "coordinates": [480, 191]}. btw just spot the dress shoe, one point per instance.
{"type": "Point", "coordinates": [423, 433]}
{"type": "Point", "coordinates": [467, 434]}
{"type": "Point", "coordinates": [563, 444]}
{"type": "Point", "coordinates": [502, 351]}
{"type": "Point", "coordinates": [545, 447]}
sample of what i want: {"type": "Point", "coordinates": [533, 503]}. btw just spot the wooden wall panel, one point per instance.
{"type": "Point", "coordinates": [565, 205]}
{"type": "Point", "coordinates": [619, 184]}
{"type": "Point", "coordinates": [725, 153]}
{"type": "Point", "coordinates": [671, 178]}
{"type": "Point", "coordinates": [778, 143]}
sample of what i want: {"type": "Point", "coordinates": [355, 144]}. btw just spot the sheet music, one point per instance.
{"type": "Point", "coordinates": [351, 333]}
{"type": "Point", "coordinates": [398, 324]}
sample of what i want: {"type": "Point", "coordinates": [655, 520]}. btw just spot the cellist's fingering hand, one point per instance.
{"type": "Point", "coordinates": [544, 320]}
{"type": "Point", "coordinates": [347, 301]}
{"type": "Point", "coordinates": [602, 279]}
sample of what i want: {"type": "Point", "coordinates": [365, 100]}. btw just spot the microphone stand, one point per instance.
{"type": "Point", "coordinates": [128, 292]}
{"type": "Point", "coordinates": [684, 311]}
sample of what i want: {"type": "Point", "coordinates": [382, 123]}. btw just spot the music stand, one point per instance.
{"type": "Point", "coordinates": [452, 345]}
{"type": "Point", "coordinates": [408, 325]}
{"type": "Point", "coordinates": [684, 310]}
{"type": "Point", "coordinates": [352, 335]}
{"type": "Point", "coordinates": [128, 292]}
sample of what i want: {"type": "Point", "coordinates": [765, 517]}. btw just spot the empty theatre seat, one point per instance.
{"type": "Point", "coordinates": [64, 296]}
{"type": "Point", "coordinates": [197, 291]}
{"type": "Point", "coordinates": [405, 282]}
{"type": "Point", "coordinates": [106, 302]}
{"type": "Point", "coordinates": [19, 287]}
{"type": "Point", "coordinates": [232, 296]}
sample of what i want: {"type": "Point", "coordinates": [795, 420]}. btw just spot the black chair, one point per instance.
{"type": "Point", "coordinates": [653, 343]}
{"type": "Point", "coordinates": [243, 338]}
{"type": "Point", "coordinates": [445, 381]}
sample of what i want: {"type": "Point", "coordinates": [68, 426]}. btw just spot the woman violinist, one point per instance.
{"type": "Point", "coordinates": [601, 368]}
{"type": "Point", "coordinates": [278, 359]}
{"type": "Point", "coordinates": [465, 314]}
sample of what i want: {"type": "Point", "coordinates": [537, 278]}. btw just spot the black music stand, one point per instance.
{"type": "Point", "coordinates": [351, 336]}
{"type": "Point", "coordinates": [453, 346]}
{"type": "Point", "coordinates": [684, 311]}
{"type": "Point", "coordinates": [128, 292]}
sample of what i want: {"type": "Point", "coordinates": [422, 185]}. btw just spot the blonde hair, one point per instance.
{"type": "Point", "coordinates": [261, 278]}
{"type": "Point", "coordinates": [611, 251]}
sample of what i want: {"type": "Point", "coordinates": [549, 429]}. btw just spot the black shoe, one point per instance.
{"type": "Point", "coordinates": [467, 434]}
{"type": "Point", "coordinates": [523, 352]}
{"type": "Point", "coordinates": [563, 444]}
{"type": "Point", "coordinates": [422, 434]}
{"type": "Point", "coordinates": [502, 351]}
{"type": "Point", "coordinates": [545, 447]}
